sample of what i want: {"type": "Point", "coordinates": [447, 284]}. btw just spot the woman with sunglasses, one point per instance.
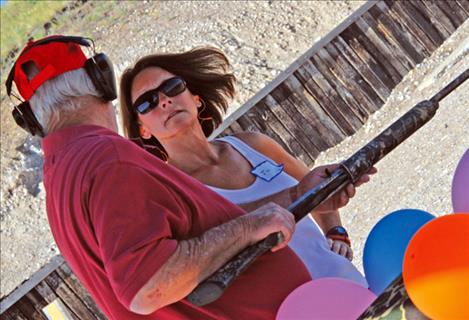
{"type": "Point", "coordinates": [171, 103]}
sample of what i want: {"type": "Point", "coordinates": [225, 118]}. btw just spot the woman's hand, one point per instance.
{"type": "Point", "coordinates": [341, 198]}
{"type": "Point", "coordinates": [341, 248]}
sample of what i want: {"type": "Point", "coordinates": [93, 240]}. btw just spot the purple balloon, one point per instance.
{"type": "Point", "coordinates": [460, 188]}
{"type": "Point", "coordinates": [326, 298]}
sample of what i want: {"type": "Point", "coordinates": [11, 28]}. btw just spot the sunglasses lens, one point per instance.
{"type": "Point", "coordinates": [144, 107]}
{"type": "Point", "coordinates": [174, 86]}
{"type": "Point", "coordinates": [149, 100]}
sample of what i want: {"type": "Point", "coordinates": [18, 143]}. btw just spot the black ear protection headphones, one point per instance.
{"type": "Point", "coordinates": [99, 68]}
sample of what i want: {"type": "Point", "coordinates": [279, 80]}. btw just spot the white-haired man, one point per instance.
{"type": "Point", "coordinates": [139, 234]}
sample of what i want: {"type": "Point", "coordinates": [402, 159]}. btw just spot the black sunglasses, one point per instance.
{"type": "Point", "coordinates": [150, 99]}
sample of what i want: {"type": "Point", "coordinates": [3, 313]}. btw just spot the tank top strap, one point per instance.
{"type": "Point", "coordinates": [252, 155]}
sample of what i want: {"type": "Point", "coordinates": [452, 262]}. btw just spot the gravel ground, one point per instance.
{"type": "Point", "coordinates": [261, 38]}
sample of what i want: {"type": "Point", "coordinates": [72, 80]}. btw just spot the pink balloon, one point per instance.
{"type": "Point", "coordinates": [326, 298]}
{"type": "Point", "coordinates": [460, 188]}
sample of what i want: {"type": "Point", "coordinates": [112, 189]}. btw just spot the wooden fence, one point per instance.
{"type": "Point", "coordinates": [323, 97]}
{"type": "Point", "coordinates": [53, 292]}
{"type": "Point", "coordinates": [329, 92]}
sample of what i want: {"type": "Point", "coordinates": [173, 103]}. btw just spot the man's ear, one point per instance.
{"type": "Point", "coordinates": [144, 133]}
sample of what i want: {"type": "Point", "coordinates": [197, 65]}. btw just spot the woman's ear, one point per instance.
{"type": "Point", "coordinates": [197, 101]}
{"type": "Point", "coordinates": [144, 133]}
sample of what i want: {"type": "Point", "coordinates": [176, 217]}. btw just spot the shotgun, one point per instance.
{"type": "Point", "coordinates": [348, 171]}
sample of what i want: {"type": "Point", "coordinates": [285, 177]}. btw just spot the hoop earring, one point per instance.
{"type": "Point", "coordinates": [202, 109]}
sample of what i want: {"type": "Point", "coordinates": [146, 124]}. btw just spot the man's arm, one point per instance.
{"type": "Point", "coordinates": [197, 258]}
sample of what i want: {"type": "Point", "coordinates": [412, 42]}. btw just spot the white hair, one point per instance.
{"type": "Point", "coordinates": [59, 96]}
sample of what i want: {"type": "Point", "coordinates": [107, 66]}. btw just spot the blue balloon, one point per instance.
{"type": "Point", "coordinates": [385, 246]}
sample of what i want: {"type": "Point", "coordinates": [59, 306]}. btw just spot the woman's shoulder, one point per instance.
{"type": "Point", "coordinates": [261, 143]}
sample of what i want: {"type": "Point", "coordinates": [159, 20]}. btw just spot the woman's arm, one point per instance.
{"type": "Point", "coordinates": [298, 170]}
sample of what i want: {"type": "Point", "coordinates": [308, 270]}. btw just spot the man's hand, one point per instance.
{"type": "Point", "coordinates": [197, 258]}
{"type": "Point", "coordinates": [341, 198]}
{"type": "Point", "coordinates": [341, 248]}
{"type": "Point", "coordinates": [271, 218]}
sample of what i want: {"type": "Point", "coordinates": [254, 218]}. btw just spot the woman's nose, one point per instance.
{"type": "Point", "coordinates": [164, 100]}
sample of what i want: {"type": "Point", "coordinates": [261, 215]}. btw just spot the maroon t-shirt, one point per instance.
{"type": "Point", "coordinates": [117, 212]}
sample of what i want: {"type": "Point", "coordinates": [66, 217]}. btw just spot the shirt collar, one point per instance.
{"type": "Point", "coordinates": [60, 138]}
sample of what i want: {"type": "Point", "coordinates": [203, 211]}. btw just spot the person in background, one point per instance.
{"type": "Point", "coordinates": [139, 234]}
{"type": "Point", "coordinates": [171, 103]}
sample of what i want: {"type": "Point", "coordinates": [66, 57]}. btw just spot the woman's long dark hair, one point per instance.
{"type": "Point", "coordinates": [206, 71]}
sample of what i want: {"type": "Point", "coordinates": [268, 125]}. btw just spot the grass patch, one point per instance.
{"type": "Point", "coordinates": [22, 19]}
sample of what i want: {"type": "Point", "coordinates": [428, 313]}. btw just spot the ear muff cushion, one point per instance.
{"type": "Point", "coordinates": [101, 72]}
{"type": "Point", "coordinates": [26, 119]}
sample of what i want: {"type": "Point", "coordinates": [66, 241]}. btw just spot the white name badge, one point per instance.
{"type": "Point", "coordinates": [267, 170]}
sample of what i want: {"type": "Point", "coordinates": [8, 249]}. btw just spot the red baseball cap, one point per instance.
{"type": "Point", "coordinates": [52, 56]}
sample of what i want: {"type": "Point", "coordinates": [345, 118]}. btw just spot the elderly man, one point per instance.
{"type": "Point", "coordinates": [138, 233]}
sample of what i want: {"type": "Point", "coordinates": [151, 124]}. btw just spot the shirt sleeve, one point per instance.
{"type": "Point", "coordinates": [133, 215]}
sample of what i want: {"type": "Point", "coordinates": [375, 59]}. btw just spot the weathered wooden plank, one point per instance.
{"type": "Point", "coordinates": [304, 132]}
{"type": "Point", "coordinates": [275, 125]}
{"type": "Point", "coordinates": [448, 11]}
{"type": "Point", "coordinates": [226, 132]}
{"type": "Point", "coordinates": [291, 107]}
{"type": "Point", "coordinates": [246, 124]}
{"type": "Point", "coordinates": [66, 274]}
{"type": "Point", "coordinates": [355, 32]}
{"type": "Point", "coordinates": [235, 127]}
{"type": "Point", "coordinates": [464, 4]}
{"type": "Point", "coordinates": [398, 13]}
{"type": "Point", "coordinates": [13, 313]}
{"type": "Point", "coordinates": [46, 292]}
{"type": "Point", "coordinates": [327, 130]}
{"type": "Point", "coordinates": [422, 21]}
{"type": "Point", "coordinates": [414, 49]}
{"type": "Point", "coordinates": [397, 52]}
{"type": "Point", "coordinates": [29, 284]}
{"type": "Point", "coordinates": [330, 96]}
{"type": "Point", "coordinates": [434, 16]}
{"type": "Point", "coordinates": [458, 10]}
{"type": "Point", "coordinates": [68, 297]}
{"type": "Point", "coordinates": [369, 101]}
{"type": "Point", "coordinates": [352, 109]}
{"type": "Point", "coordinates": [398, 69]}
{"type": "Point", "coordinates": [292, 127]}
{"type": "Point", "coordinates": [363, 68]}
{"type": "Point", "coordinates": [306, 105]}
{"type": "Point", "coordinates": [37, 300]}
{"type": "Point", "coordinates": [438, 16]}
{"type": "Point", "coordinates": [49, 296]}
{"type": "Point", "coordinates": [325, 96]}
{"type": "Point", "coordinates": [352, 41]}
{"type": "Point", "coordinates": [27, 307]}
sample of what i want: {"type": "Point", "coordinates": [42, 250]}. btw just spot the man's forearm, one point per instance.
{"type": "Point", "coordinates": [194, 260]}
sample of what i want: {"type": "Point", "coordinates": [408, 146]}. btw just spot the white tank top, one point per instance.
{"type": "Point", "coordinates": [308, 241]}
